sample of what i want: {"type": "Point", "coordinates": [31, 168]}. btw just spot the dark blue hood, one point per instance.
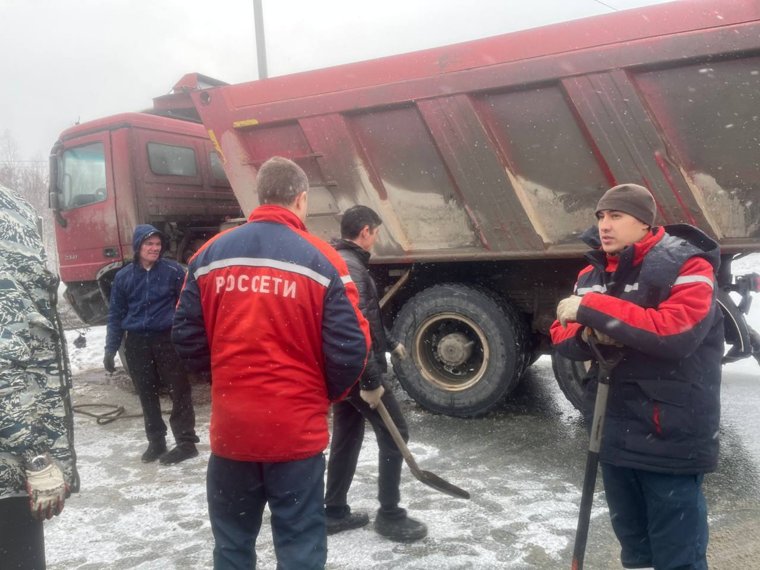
{"type": "Point", "coordinates": [699, 239]}
{"type": "Point", "coordinates": [143, 232]}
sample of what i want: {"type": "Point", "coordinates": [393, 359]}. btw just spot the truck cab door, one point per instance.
{"type": "Point", "coordinates": [87, 231]}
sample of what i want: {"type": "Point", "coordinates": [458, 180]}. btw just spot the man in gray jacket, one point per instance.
{"type": "Point", "coordinates": [37, 461]}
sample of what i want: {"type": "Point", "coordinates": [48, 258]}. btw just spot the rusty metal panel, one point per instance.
{"type": "Point", "coordinates": [552, 165]}
{"type": "Point", "coordinates": [653, 148]}
{"type": "Point", "coordinates": [632, 146]}
{"type": "Point", "coordinates": [483, 186]}
{"type": "Point", "coordinates": [411, 176]}
{"type": "Point", "coordinates": [709, 114]}
{"type": "Point", "coordinates": [499, 148]}
{"type": "Point", "coordinates": [349, 180]}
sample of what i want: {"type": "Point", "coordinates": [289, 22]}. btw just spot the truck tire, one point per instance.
{"type": "Point", "coordinates": [467, 349]}
{"type": "Point", "coordinates": [570, 375]}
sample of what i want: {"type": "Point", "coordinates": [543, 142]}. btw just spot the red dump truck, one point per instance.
{"type": "Point", "coordinates": [485, 160]}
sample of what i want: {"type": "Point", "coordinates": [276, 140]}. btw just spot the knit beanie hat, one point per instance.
{"type": "Point", "coordinates": [630, 199]}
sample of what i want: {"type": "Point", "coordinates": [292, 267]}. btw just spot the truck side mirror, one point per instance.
{"type": "Point", "coordinates": [55, 206]}
{"type": "Point", "coordinates": [53, 200]}
{"type": "Point", "coordinates": [54, 197]}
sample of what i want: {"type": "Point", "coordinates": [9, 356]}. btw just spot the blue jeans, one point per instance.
{"type": "Point", "coordinates": [659, 519]}
{"type": "Point", "coordinates": [237, 492]}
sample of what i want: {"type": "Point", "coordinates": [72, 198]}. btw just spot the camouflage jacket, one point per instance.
{"type": "Point", "coordinates": [35, 377]}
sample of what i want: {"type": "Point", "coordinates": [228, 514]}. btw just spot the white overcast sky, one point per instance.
{"type": "Point", "coordinates": [63, 61]}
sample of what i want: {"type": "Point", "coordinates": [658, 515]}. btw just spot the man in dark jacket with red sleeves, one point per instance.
{"type": "Point", "coordinates": [650, 292]}
{"type": "Point", "coordinates": [359, 228]}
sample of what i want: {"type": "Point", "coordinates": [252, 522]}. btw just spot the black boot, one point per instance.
{"type": "Point", "coordinates": [184, 450]}
{"type": "Point", "coordinates": [156, 448]}
{"type": "Point", "coordinates": [397, 526]}
{"type": "Point", "coordinates": [345, 520]}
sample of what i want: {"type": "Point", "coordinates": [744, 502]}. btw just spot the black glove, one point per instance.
{"type": "Point", "coordinates": [108, 362]}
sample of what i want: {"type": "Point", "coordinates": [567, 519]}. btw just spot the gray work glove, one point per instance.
{"type": "Point", "coordinates": [567, 310]}
{"type": "Point", "coordinates": [46, 487]}
{"type": "Point", "coordinates": [108, 362]}
{"type": "Point", "coordinates": [400, 352]}
{"type": "Point", "coordinates": [601, 338]}
{"type": "Point", "coordinates": [372, 397]}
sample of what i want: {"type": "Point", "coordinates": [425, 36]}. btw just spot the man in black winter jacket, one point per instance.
{"type": "Point", "coordinates": [359, 229]}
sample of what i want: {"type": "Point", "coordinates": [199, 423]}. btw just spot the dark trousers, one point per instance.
{"type": "Point", "coordinates": [237, 492]}
{"type": "Point", "coordinates": [659, 519]}
{"type": "Point", "coordinates": [347, 437]}
{"type": "Point", "coordinates": [152, 362]}
{"type": "Point", "coordinates": [22, 544]}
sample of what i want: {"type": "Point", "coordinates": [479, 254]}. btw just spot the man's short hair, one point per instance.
{"type": "Point", "coordinates": [280, 181]}
{"type": "Point", "coordinates": [355, 218]}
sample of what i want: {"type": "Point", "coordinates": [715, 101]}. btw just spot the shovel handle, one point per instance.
{"type": "Point", "coordinates": [396, 435]}
{"type": "Point", "coordinates": [605, 364]}
{"type": "Point", "coordinates": [595, 441]}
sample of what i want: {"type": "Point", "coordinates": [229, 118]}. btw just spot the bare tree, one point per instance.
{"type": "Point", "coordinates": [30, 179]}
{"type": "Point", "coordinates": [9, 160]}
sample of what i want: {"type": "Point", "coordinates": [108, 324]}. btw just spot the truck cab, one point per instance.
{"type": "Point", "coordinates": [109, 175]}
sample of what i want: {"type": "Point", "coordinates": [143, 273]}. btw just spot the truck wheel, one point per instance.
{"type": "Point", "coordinates": [570, 375]}
{"type": "Point", "coordinates": [467, 349]}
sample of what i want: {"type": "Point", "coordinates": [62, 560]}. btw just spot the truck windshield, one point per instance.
{"type": "Point", "coordinates": [82, 176]}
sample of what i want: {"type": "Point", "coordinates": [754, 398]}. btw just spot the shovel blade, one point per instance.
{"type": "Point", "coordinates": [434, 481]}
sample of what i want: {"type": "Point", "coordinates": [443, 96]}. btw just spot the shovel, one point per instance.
{"type": "Point", "coordinates": [606, 366]}
{"type": "Point", "coordinates": [426, 477]}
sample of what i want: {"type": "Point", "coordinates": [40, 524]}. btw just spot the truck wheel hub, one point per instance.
{"type": "Point", "coordinates": [454, 349]}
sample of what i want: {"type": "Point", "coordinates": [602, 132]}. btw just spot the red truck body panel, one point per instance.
{"type": "Point", "coordinates": [499, 148]}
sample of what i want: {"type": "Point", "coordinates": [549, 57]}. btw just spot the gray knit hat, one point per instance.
{"type": "Point", "coordinates": [631, 199]}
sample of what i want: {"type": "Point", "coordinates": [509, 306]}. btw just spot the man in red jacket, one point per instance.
{"type": "Point", "coordinates": [271, 312]}
{"type": "Point", "coordinates": [650, 292]}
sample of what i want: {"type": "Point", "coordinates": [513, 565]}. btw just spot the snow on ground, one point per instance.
{"type": "Point", "coordinates": [89, 357]}
{"type": "Point", "coordinates": [129, 515]}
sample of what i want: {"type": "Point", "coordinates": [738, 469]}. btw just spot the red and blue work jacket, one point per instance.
{"type": "Point", "coordinates": [658, 299]}
{"type": "Point", "coordinates": [272, 313]}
